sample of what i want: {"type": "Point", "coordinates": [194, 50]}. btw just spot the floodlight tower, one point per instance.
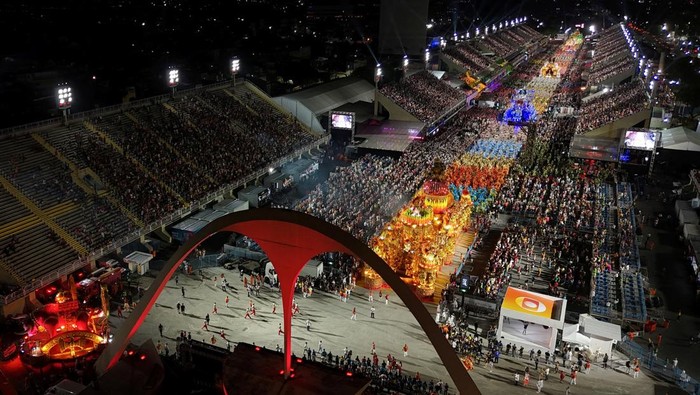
{"type": "Point", "coordinates": [427, 57]}
{"type": "Point", "coordinates": [377, 78]}
{"type": "Point", "coordinates": [65, 100]}
{"type": "Point", "coordinates": [405, 65]}
{"type": "Point", "coordinates": [173, 79]}
{"type": "Point", "coordinates": [235, 68]}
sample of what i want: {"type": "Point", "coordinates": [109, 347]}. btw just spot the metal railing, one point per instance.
{"type": "Point", "coordinates": [661, 367]}
{"type": "Point", "coordinates": [164, 221]}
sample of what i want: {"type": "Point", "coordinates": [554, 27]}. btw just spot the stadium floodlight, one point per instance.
{"type": "Point", "coordinates": [65, 100]}
{"type": "Point", "coordinates": [173, 79]}
{"type": "Point", "coordinates": [405, 61]}
{"type": "Point", "coordinates": [591, 29]}
{"type": "Point", "coordinates": [500, 25]}
{"type": "Point", "coordinates": [377, 77]}
{"type": "Point", "coordinates": [235, 68]}
{"type": "Point", "coordinates": [486, 31]}
{"type": "Point", "coordinates": [427, 57]}
{"type": "Point", "coordinates": [65, 97]}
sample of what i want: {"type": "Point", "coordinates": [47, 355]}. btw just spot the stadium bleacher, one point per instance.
{"type": "Point", "coordinates": [150, 160]}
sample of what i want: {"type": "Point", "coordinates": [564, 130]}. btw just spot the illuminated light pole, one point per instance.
{"type": "Point", "coordinates": [405, 65]}
{"type": "Point", "coordinates": [377, 77]}
{"type": "Point", "coordinates": [65, 100]}
{"type": "Point", "coordinates": [427, 57]}
{"type": "Point", "coordinates": [173, 79]}
{"type": "Point", "coordinates": [235, 68]}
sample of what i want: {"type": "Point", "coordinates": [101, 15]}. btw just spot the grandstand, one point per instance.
{"type": "Point", "coordinates": [71, 194]}
{"type": "Point", "coordinates": [613, 60]}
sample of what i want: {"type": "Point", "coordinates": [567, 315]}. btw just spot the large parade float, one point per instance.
{"type": "Point", "coordinates": [72, 326]}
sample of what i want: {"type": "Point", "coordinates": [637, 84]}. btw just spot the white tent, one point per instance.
{"type": "Point", "coordinates": [682, 205]}
{"type": "Point", "coordinates": [680, 139]}
{"type": "Point", "coordinates": [688, 217]}
{"type": "Point", "coordinates": [602, 334]}
{"type": "Point", "coordinates": [572, 334]}
{"type": "Point", "coordinates": [691, 232]}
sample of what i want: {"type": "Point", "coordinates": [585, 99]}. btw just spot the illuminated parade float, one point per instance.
{"type": "Point", "coordinates": [75, 325]}
{"type": "Point", "coordinates": [422, 237]}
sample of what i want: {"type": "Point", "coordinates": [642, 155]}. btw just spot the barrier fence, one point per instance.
{"type": "Point", "coordinates": [661, 367]}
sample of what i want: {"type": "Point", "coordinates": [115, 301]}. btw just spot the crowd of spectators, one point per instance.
{"type": "Point", "coordinates": [140, 193]}
{"type": "Point", "coordinates": [423, 95]}
{"type": "Point", "coordinates": [222, 136]}
{"type": "Point", "coordinates": [611, 56]}
{"type": "Point", "coordinates": [362, 197]}
{"type": "Point", "coordinates": [168, 166]}
{"type": "Point", "coordinates": [465, 55]}
{"type": "Point", "coordinates": [625, 100]}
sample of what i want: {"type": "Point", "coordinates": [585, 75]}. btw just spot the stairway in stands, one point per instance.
{"type": "Point", "coordinates": [76, 176]}
{"type": "Point", "coordinates": [228, 92]}
{"type": "Point", "coordinates": [480, 257]}
{"type": "Point", "coordinates": [29, 221]}
{"type": "Point", "coordinates": [464, 240]}
{"type": "Point", "coordinates": [42, 214]}
{"type": "Point", "coordinates": [135, 161]}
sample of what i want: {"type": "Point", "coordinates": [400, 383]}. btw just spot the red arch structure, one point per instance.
{"type": "Point", "coordinates": [290, 239]}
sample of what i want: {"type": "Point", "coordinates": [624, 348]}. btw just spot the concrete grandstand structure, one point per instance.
{"type": "Point", "coordinates": [74, 193]}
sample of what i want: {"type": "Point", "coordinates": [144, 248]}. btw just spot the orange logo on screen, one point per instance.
{"type": "Point", "coordinates": [529, 304]}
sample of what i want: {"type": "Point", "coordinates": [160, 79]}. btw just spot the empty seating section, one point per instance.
{"type": "Point", "coordinates": [46, 181]}
{"type": "Point", "coordinates": [423, 95]}
{"type": "Point", "coordinates": [37, 251]}
{"type": "Point", "coordinates": [604, 295]}
{"type": "Point", "coordinates": [140, 193]}
{"type": "Point", "coordinates": [36, 173]}
{"type": "Point", "coordinates": [633, 303]}
{"type": "Point", "coordinates": [66, 140]}
{"type": "Point", "coordinates": [143, 145]}
{"type": "Point", "coordinates": [629, 251]}
{"type": "Point", "coordinates": [12, 210]}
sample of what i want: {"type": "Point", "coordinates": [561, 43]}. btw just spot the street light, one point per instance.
{"type": "Point", "coordinates": [65, 100]}
{"type": "Point", "coordinates": [235, 68]}
{"type": "Point", "coordinates": [173, 79]}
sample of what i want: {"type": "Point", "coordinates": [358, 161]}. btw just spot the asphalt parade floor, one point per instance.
{"type": "Point", "coordinates": [330, 323]}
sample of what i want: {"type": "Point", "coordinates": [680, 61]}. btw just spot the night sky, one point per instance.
{"type": "Point", "coordinates": [103, 47]}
